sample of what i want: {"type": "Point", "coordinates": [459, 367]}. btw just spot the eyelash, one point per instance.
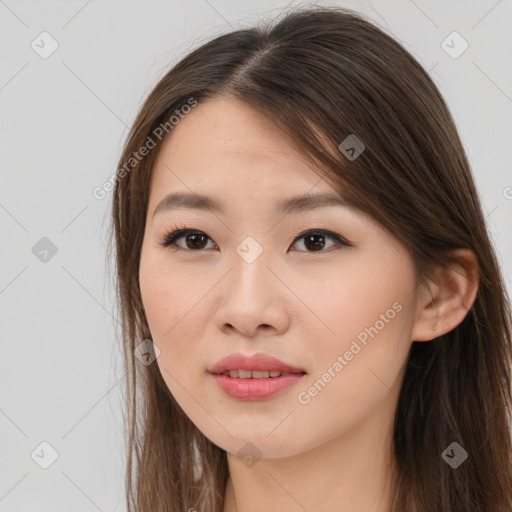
{"type": "Point", "coordinates": [177, 233]}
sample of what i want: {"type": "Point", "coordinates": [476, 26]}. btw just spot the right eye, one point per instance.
{"type": "Point", "coordinates": [196, 237]}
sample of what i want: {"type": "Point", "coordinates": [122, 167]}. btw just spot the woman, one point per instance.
{"type": "Point", "coordinates": [313, 314]}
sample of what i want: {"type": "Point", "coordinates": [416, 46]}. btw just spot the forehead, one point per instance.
{"type": "Point", "coordinates": [223, 144]}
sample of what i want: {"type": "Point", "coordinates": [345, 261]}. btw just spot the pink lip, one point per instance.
{"type": "Point", "coordinates": [257, 361]}
{"type": "Point", "coordinates": [254, 389]}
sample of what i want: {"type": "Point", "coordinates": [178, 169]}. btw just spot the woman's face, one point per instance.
{"type": "Point", "coordinates": [248, 283]}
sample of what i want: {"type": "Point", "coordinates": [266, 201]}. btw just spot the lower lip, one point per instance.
{"type": "Point", "coordinates": [256, 389]}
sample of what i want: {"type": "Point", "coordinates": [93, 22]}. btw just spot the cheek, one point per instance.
{"type": "Point", "coordinates": [169, 294]}
{"type": "Point", "coordinates": [353, 298]}
{"type": "Point", "coordinates": [173, 322]}
{"type": "Point", "coordinates": [171, 301]}
{"type": "Point", "coordinates": [365, 319]}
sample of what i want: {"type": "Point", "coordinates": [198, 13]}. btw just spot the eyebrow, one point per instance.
{"type": "Point", "coordinates": [180, 200]}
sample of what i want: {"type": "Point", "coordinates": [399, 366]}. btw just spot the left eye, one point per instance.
{"type": "Point", "coordinates": [196, 240]}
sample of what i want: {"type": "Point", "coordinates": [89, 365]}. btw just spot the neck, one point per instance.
{"type": "Point", "coordinates": [351, 473]}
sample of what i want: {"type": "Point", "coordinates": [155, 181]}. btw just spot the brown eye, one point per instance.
{"type": "Point", "coordinates": [194, 240]}
{"type": "Point", "coordinates": [314, 241]}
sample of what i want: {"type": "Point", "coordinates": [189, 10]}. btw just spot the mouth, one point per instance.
{"type": "Point", "coordinates": [255, 366]}
{"type": "Point", "coordinates": [256, 377]}
{"type": "Point", "coordinates": [257, 374]}
{"type": "Point", "coordinates": [254, 387]}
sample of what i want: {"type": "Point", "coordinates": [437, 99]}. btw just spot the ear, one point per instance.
{"type": "Point", "coordinates": [450, 294]}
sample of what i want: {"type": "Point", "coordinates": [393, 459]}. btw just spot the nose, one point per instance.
{"type": "Point", "coordinates": [253, 300]}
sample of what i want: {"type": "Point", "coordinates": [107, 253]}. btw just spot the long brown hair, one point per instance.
{"type": "Point", "coordinates": [323, 74]}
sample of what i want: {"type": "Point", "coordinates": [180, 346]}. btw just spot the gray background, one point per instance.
{"type": "Point", "coordinates": [63, 121]}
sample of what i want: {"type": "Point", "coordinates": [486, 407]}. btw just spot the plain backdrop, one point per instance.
{"type": "Point", "coordinates": [63, 120]}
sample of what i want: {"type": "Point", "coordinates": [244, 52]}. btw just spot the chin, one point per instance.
{"type": "Point", "coordinates": [251, 446]}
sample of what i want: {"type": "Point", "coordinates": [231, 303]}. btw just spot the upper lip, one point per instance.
{"type": "Point", "coordinates": [258, 361]}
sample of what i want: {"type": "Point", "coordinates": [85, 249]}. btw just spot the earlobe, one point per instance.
{"type": "Point", "coordinates": [451, 294]}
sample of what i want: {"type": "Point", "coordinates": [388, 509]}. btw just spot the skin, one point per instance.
{"type": "Point", "coordinates": [302, 306]}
